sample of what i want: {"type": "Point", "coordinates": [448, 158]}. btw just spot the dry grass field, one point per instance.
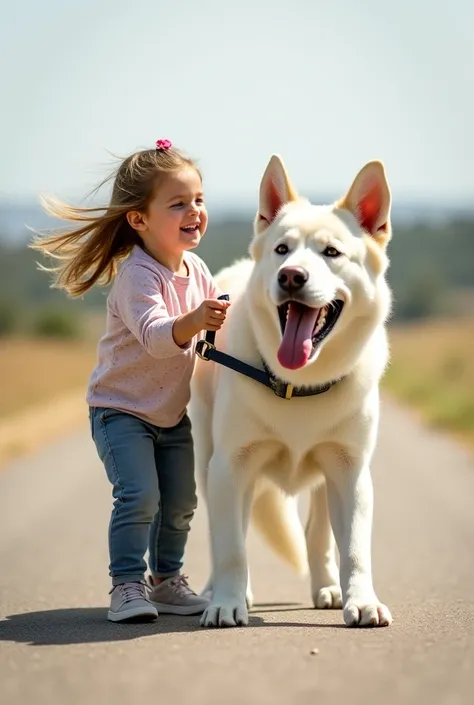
{"type": "Point", "coordinates": [432, 370]}
{"type": "Point", "coordinates": [34, 371]}
{"type": "Point", "coordinates": [43, 386]}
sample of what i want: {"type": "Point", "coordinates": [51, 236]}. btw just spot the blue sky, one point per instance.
{"type": "Point", "coordinates": [328, 85]}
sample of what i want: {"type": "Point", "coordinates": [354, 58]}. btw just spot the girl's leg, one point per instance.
{"type": "Point", "coordinates": [170, 527]}
{"type": "Point", "coordinates": [174, 457]}
{"type": "Point", "coordinates": [126, 446]}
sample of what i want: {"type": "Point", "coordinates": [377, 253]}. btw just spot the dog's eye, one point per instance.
{"type": "Point", "coordinates": [331, 252]}
{"type": "Point", "coordinates": [282, 249]}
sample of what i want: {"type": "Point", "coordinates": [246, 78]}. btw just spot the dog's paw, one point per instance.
{"type": "Point", "coordinates": [248, 597]}
{"type": "Point", "coordinates": [228, 614]}
{"type": "Point", "coordinates": [328, 598]}
{"type": "Point", "coordinates": [358, 613]}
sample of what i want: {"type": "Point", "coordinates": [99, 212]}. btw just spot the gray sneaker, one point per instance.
{"type": "Point", "coordinates": [174, 596]}
{"type": "Point", "coordinates": [130, 603]}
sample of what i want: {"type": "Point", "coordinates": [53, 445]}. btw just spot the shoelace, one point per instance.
{"type": "Point", "coordinates": [180, 584]}
{"type": "Point", "coordinates": [133, 591]}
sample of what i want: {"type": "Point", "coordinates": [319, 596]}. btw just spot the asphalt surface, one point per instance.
{"type": "Point", "coordinates": [57, 647]}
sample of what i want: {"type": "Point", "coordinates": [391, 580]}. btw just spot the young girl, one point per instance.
{"type": "Point", "coordinates": [161, 299]}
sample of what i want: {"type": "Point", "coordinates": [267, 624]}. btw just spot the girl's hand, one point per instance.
{"type": "Point", "coordinates": [210, 315]}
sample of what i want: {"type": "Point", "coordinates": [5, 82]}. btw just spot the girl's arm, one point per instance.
{"type": "Point", "coordinates": [143, 310]}
{"type": "Point", "coordinates": [141, 306]}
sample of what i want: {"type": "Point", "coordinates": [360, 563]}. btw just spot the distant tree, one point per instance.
{"type": "Point", "coordinates": [8, 319]}
{"type": "Point", "coordinates": [424, 295]}
{"type": "Point", "coordinates": [56, 323]}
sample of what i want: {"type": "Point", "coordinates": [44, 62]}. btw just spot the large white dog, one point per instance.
{"type": "Point", "coordinates": [308, 318]}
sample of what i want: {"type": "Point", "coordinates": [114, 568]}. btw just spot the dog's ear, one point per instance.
{"type": "Point", "coordinates": [369, 200]}
{"type": "Point", "coordinates": [275, 190]}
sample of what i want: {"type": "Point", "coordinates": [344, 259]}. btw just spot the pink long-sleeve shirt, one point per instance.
{"type": "Point", "coordinates": [140, 368]}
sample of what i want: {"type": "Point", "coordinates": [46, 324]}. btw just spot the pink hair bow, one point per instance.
{"type": "Point", "coordinates": [163, 144]}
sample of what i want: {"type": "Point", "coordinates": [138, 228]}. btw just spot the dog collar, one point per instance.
{"type": "Point", "coordinates": [285, 390]}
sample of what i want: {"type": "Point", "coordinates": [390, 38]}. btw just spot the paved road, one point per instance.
{"type": "Point", "coordinates": [57, 647]}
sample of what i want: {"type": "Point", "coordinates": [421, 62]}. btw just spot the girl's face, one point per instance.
{"type": "Point", "coordinates": [176, 217]}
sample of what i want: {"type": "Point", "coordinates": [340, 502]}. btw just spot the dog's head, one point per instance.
{"type": "Point", "coordinates": [320, 269]}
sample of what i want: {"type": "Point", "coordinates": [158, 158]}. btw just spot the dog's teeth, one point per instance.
{"type": "Point", "coordinates": [321, 320]}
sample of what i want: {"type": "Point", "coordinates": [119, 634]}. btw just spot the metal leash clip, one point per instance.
{"type": "Point", "coordinates": [202, 349]}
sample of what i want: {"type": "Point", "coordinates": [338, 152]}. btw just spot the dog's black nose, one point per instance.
{"type": "Point", "coordinates": [292, 278]}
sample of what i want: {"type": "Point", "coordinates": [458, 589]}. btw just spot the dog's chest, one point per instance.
{"type": "Point", "coordinates": [300, 423]}
{"type": "Point", "coordinates": [286, 466]}
{"type": "Point", "coordinates": [288, 442]}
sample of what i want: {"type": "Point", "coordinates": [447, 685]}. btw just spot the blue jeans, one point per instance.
{"type": "Point", "coordinates": [152, 473]}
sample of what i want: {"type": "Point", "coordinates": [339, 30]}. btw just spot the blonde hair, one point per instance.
{"type": "Point", "coordinates": [89, 254]}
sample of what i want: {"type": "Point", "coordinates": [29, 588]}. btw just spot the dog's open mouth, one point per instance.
{"type": "Point", "coordinates": [303, 328]}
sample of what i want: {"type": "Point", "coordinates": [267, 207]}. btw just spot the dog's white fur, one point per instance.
{"type": "Point", "coordinates": [255, 451]}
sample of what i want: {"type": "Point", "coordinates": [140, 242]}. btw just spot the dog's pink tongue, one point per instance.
{"type": "Point", "coordinates": [296, 345]}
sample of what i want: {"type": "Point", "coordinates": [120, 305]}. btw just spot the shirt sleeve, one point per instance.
{"type": "Point", "coordinates": [141, 306]}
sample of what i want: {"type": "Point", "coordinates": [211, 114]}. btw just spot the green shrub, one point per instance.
{"type": "Point", "coordinates": [56, 323]}
{"type": "Point", "coordinates": [8, 319]}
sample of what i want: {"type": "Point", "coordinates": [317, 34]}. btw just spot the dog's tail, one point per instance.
{"type": "Point", "coordinates": [276, 517]}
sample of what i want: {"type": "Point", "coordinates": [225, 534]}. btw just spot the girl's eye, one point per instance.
{"type": "Point", "coordinates": [181, 204]}
{"type": "Point", "coordinates": [282, 249]}
{"type": "Point", "coordinates": [331, 252]}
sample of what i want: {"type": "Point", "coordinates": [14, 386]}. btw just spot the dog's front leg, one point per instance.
{"type": "Point", "coordinates": [325, 583]}
{"type": "Point", "coordinates": [209, 587]}
{"type": "Point", "coordinates": [350, 496]}
{"type": "Point", "coordinates": [228, 500]}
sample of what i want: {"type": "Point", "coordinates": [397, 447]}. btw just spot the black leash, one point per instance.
{"type": "Point", "coordinates": [206, 350]}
